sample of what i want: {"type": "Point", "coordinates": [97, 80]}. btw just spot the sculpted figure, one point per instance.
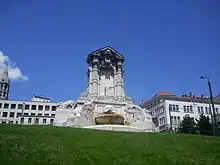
{"type": "Point", "coordinates": [108, 108]}
{"type": "Point", "coordinates": [88, 110]}
{"type": "Point", "coordinates": [70, 104]}
{"type": "Point", "coordinates": [134, 113]}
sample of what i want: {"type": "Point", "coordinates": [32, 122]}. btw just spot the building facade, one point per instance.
{"type": "Point", "coordinates": [168, 109]}
{"type": "Point", "coordinates": [39, 110]}
{"type": "Point", "coordinates": [27, 112]}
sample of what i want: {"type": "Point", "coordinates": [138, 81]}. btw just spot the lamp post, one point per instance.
{"type": "Point", "coordinates": [212, 102]}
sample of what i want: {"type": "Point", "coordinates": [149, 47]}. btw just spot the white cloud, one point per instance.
{"type": "Point", "coordinates": [13, 71]}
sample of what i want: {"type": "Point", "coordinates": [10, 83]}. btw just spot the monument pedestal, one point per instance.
{"type": "Point", "coordinates": [105, 93]}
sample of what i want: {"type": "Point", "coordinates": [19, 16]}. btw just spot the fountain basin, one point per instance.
{"type": "Point", "coordinates": [109, 119]}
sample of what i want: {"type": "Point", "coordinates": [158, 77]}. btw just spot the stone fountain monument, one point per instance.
{"type": "Point", "coordinates": [104, 105]}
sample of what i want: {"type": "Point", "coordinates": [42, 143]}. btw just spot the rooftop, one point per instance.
{"type": "Point", "coordinates": [41, 97]}
{"type": "Point", "coordinates": [185, 97]}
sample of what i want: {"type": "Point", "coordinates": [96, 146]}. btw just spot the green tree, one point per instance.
{"type": "Point", "coordinates": [204, 126]}
{"type": "Point", "coordinates": [187, 125]}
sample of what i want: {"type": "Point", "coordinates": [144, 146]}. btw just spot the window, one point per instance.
{"type": "Point", "coordinates": [46, 114]}
{"type": "Point", "coordinates": [210, 110]}
{"type": "Point", "coordinates": [6, 106]}
{"type": "Point", "coordinates": [16, 122]}
{"type": "Point", "coordinates": [20, 106]}
{"type": "Point", "coordinates": [27, 106]}
{"type": "Point", "coordinates": [198, 109]}
{"type": "Point", "coordinates": [54, 108]}
{"type": "Point", "coordinates": [161, 121]}
{"type": "Point", "coordinates": [18, 114]}
{"type": "Point", "coordinates": [25, 114]}
{"type": "Point", "coordinates": [174, 107]}
{"type": "Point", "coordinates": [171, 119]}
{"type": "Point", "coordinates": [12, 114]}
{"type": "Point", "coordinates": [191, 108]}
{"type": "Point", "coordinates": [5, 114]}
{"type": "Point", "coordinates": [40, 107]}
{"type": "Point", "coordinates": [33, 107]}
{"type": "Point", "coordinates": [175, 120]}
{"type": "Point", "coordinates": [201, 108]}
{"type": "Point", "coordinates": [216, 110]}
{"type": "Point", "coordinates": [29, 120]}
{"type": "Point", "coordinates": [32, 114]}
{"type": "Point", "coordinates": [39, 114]}
{"type": "Point", "coordinates": [36, 121]}
{"type": "Point", "coordinates": [178, 119]}
{"type": "Point", "coordinates": [11, 122]}
{"type": "Point", "coordinates": [0, 105]}
{"type": "Point", "coordinates": [44, 121]}
{"type": "Point", "coordinates": [51, 121]}
{"type": "Point", "coordinates": [152, 113]}
{"type": "Point", "coordinates": [53, 115]}
{"type": "Point", "coordinates": [184, 108]}
{"type": "Point", "coordinates": [206, 110]}
{"type": "Point", "coordinates": [3, 122]}
{"type": "Point", "coordinates": [187, 109]}
{"type": "Point", "coordinates": [47, 108]}
{"type": "Point", "coordinates": [163, 108]}
{"type": "Point", "coordinates": [13, 106]}
{"type": "Point", "coordinates": [22, 120]}
{"type": "Point", "coordinates": [177, 107]}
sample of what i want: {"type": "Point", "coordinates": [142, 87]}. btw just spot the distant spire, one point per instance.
{"type": "Point", "coordinates": [4, 77]}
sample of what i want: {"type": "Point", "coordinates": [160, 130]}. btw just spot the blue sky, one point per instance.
{"type": "Point", "coordinates": [167, 44]}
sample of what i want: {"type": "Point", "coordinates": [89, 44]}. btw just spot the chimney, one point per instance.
{"type": "Point", "coordinates": [184, 94]}
{"type": "Point", "coordinates": [190, 94]}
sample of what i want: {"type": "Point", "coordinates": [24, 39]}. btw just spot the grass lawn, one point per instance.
{"type": "Point", "coordinates": [45, 145]}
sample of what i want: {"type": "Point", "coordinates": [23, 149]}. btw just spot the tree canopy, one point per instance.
{"type": "Point", "coordinates": [187, 125]}
{"type": "Point", "coordinates": [204, 126]}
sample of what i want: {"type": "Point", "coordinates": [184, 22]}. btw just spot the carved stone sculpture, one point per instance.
{"type": "Point", "coordinates": [77, 122]}
{"type": "Point", "coordinates": [134, 113]}
{"type": "Point", "coordinates": [67, 105]}
{"type": "Point", "coordinates": [108, 108]}
{"type": "Point", "coordinates": [87, 111]}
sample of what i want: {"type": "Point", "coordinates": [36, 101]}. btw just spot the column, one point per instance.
{"type": "Point", "coordinates": [119, 82]}
{"type": "Point", "coordinates": [115, 82]}
{"type": "Point", "coordinates": [90, 79]}
{"type": "Point", "coordinates": [95, 78]}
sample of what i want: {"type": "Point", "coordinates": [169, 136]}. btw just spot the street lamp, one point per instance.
{"type": "Point", "coordinates": [212, 102]}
